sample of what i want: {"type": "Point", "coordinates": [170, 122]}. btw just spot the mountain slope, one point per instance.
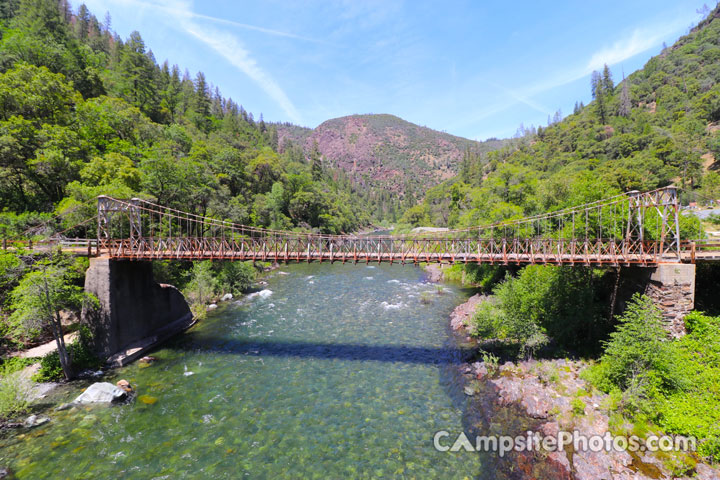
{"type": "Point", "coordinates": [84, 112]}
{"type": "Point", "coordinates": [386, 151]}
{"type": "Point", "coordinates": [659, 126]}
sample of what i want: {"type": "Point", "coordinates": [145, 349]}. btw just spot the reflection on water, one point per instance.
{"type": "Point", "coordinates": [331, 372]}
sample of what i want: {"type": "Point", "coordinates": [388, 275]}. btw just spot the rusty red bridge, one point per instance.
{"type": "Point", "coordinates": [635, 228]}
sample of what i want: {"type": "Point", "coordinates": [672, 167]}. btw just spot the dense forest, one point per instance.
{"type": "Point", "coordinates": [84, 112]}
{"type": "Point", "coordinates": [658, 126]}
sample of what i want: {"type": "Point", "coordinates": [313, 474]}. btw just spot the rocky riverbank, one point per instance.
{"type": "Point", "coordinates": [434, 271]}
{"type": "Point", "coordinates": [552, 397]}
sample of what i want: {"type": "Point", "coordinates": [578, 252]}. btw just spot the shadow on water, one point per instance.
{"type": "Point", "coordinates": [339, 351]}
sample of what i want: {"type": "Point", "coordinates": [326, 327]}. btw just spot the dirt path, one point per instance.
{"type": "Point", "coordinates": [44, 349]}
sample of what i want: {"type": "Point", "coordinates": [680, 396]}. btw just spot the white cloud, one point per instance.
{"type": "Point", "coordinates": [184, 9]}
{"type": "Point", "coordinates": [639, 41]}
{"type": "Point", "coordinates": [231, 49]}
{"type": "Point", "coordinates": [227, 46]}
{"type": "Point", "coordinates": [519, 97]}
{"type": "Point", "coordinates": [224, 44]}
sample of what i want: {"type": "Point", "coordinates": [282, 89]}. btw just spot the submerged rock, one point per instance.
{"type": "Point", "coordinates": [147, 399]}
{"type": "Point", "coordinates": [101, 392]}
{"type": "Point", "coordinates": [64, 406]}
{"type": "Point", "coordinates": [34, 421]}
{"type": "Point", "coordinates": [125, 385]}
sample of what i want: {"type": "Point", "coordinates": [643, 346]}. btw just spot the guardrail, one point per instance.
{"type": "Point", "coordinates": [79, 245]}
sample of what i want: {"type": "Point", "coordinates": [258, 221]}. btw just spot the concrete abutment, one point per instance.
{"type": "Point", "coordinates": [134, 312]}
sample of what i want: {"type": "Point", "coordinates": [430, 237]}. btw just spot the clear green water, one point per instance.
{"type": "Point", "coordinates": [340, 372]}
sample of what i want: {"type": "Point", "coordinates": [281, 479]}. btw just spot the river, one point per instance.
{"type": "Point", "coordinates": [335, 371]}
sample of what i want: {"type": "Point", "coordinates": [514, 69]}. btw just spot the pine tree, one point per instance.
{"type": "Point", "coordinates": [82, 22]}
{"type": "Point", "coordinates": [598, 93]}
{"type": "Point", "coordinates": [201, 107]}
{"type": "Point", "coordinates": [137, 75]}
{"type": "Point", "coordinates": [625, 105]}
{"type": "Point", "coordinates": [316, 161]}
{"type": "Point", "coordinates": [607, 82]}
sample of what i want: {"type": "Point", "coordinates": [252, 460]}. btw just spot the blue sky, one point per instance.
{"type": "Point", "coordinates": [476, 69]}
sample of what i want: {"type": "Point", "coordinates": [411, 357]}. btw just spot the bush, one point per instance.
{"type": "Point", "coordinates": [578, 406]}
{"type": "Point", "coordinates": [235, 277]}
{"type": "Point", "coordinates": [671, 383]}
{"type": "Point", "coordinates": [543, 302]}
{"type": "Point", "coordinates": [485, 322]}
{"type": "Point", "coordinates": [14, 391]}
{"type": "Point", "coordinates": [638, 355]}
{"type": "Point", "coordinates": [201, 288]}
{"type": "Point", "coordinates": [81, 355]}
{"type": "Point", "coordinates": [482, 275]}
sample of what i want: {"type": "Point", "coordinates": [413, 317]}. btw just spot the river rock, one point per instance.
{"type": "Point", "coordinates": [704, 472]}
{"type": "Point", "coordinates": [101, 392]}
{"type": "Point", "coordinates": [212, 306]}
{"type": "Point", "coordinates": [125, 385]}
{"type": "Point", "coordinates": [226, 297]}
{"type": "Point", "coordinates": [6, 473]}
{"type": "Point", "coordinates": [34, 421]}
{"type": "Point", "coordinates": [464, 311]}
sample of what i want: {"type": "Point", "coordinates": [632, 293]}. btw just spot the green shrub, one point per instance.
{"type": "Point", "coordinates": [638, 355]}
{"type": "Point", "coordinates": [578, 406]}
{"type": "Point", "coordinates": [14, 364]}
{"type": "Point", "coordinates": [235, 277]}
{"type": "Point", "coordinates": [492, 363]}
{"type": "Point", "coordinates": [201, 288]}
{"type": "Point", "coordinates": [81, 354]}
{"type": "Point", "coordinates": [485, 322]}
{"type": "Point", "coordinates": [14, 392]}
{"type": "Point", "coordinates": [673, 384]}
{"type": "Point", "coordinates": [482, 275]}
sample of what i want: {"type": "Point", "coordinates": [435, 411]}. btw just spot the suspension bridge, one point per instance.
{"type": "Point", "coordinates": [635, 228]}
{"type": "Point", "coordinates": [630, 229]}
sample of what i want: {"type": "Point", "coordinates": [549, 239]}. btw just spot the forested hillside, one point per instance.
{"type": "Point", "coordinates": [659, 126]}
{"type": "Point", "coordinates": [384, 151]}
{"type": "Point", "coordinates": [84, 112]}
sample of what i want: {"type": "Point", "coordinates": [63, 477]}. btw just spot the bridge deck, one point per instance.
{"type": "Point", "coordinates": [417, 251]}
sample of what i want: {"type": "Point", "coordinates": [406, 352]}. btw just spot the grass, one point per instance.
{"type": "Point", "coordinates": [14, 391]}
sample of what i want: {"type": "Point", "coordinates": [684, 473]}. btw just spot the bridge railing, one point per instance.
{"type": "Point", "coordinates": [387, 249]}
{"type": "Point", "coordinates": [630, 228]}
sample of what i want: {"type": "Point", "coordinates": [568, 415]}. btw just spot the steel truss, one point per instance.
{"type": "Point", "coordinates": [629, 229]}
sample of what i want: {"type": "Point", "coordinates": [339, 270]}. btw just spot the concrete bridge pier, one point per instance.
{"type": "Point", "coordinates": [671, 286]}
{"type": "Point", "coordinates": [135, 312]}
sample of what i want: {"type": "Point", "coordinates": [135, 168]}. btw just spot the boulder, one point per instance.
{"type": "Point", "coordinates": [35, 420]}
{"type": "Point", "coordinates": [124, 385]}
{"type": "Point", "coordinates": [226, 297]}
{"type": "Point", "coordinates": [101, 392]}
{"type": "Point", "coordinates": [212, 306]}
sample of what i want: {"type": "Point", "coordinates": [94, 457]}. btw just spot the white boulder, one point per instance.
{"type": "Point", "coordinates": [101, 392]}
